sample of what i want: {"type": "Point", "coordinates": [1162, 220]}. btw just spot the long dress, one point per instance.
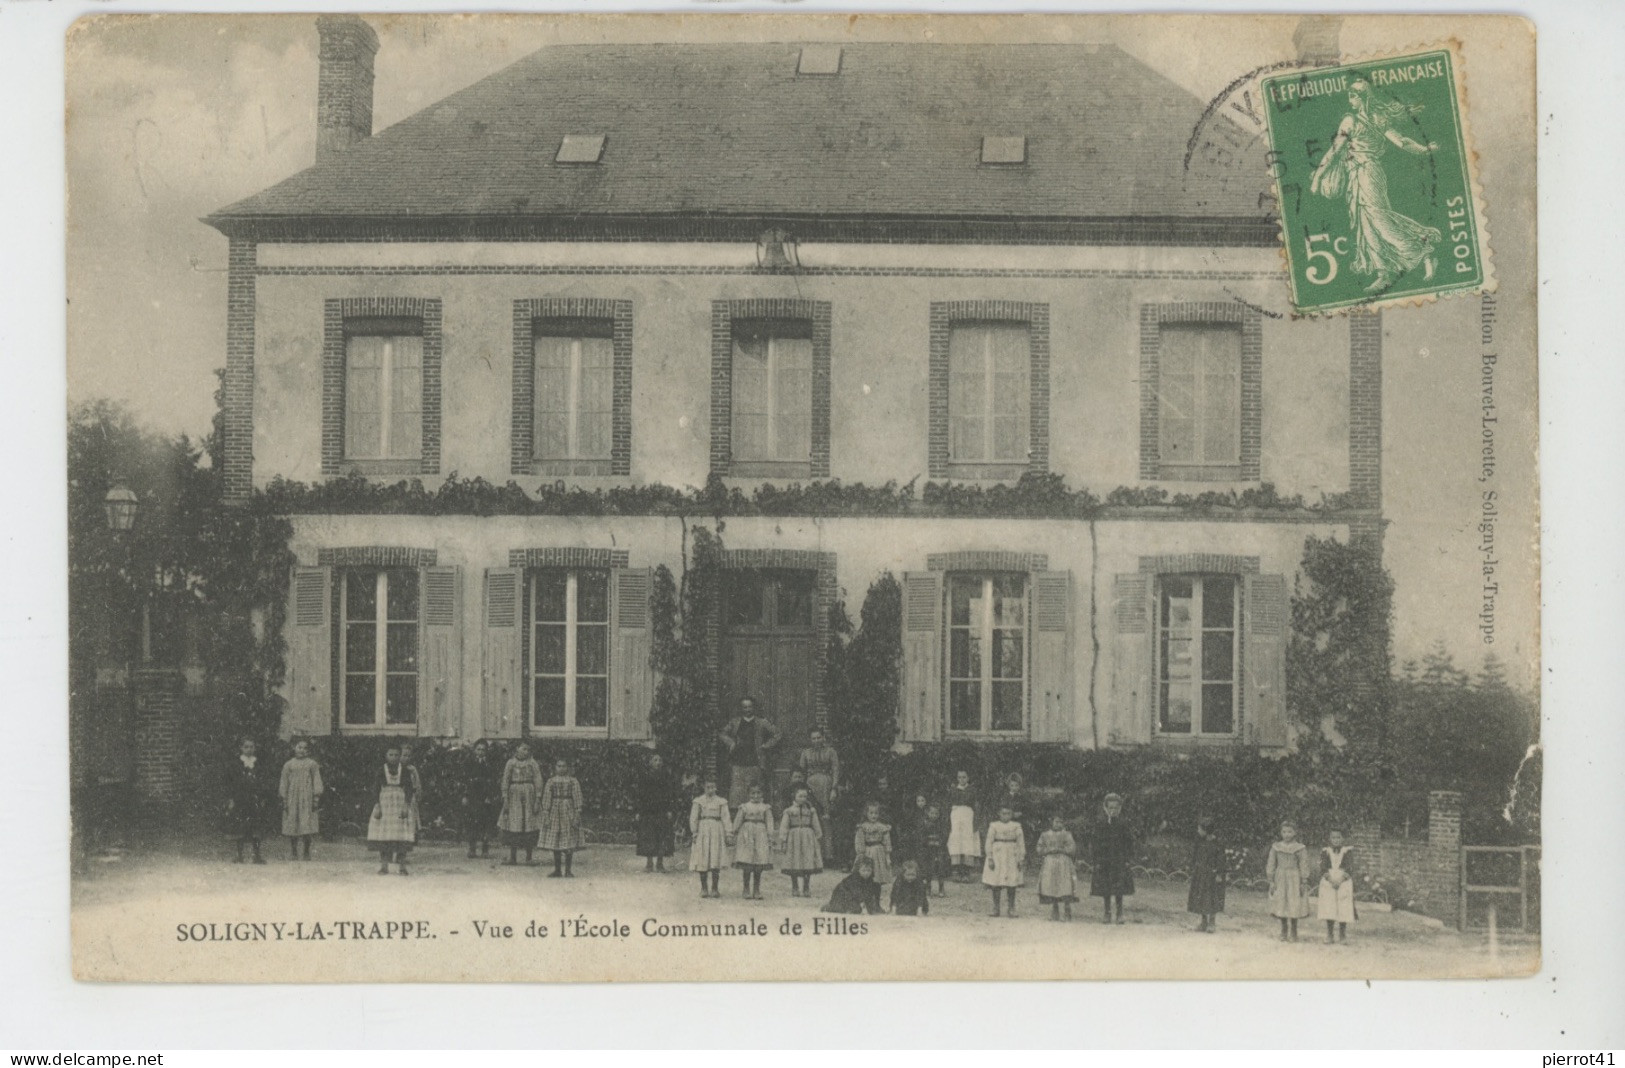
{"type": "Point", "coordinates": [1006, 855]}
{"type": "Point", "coordinates": [300, 787]}
{"type": "Point", "coordinates": [753, 837]}
{"type": "Point", "coordinates": [873, 840]}
{"type": "Point", "coordinates": [521, 803]}
{"type": "Point", "coordinates": [561, 813]}
{"type": "Point", "coordinates": [657, 805]}
{"type": "Point", "coordinates": [708, 822]}
{"type": "Point", "coordinates": [481, 800]}
{"type": "Point", "coordinates": [802, 833]}
{"type": "Point", "coordinates": [1058, 877]}
{"type": "Point", "coordinates": [1112, 857]}
{"type": "Point", "coordinates": [934, 849]}
{"type": "Point", "coordinates": [964, 845]}
{"type": "Point", "coordinates": [1337, 902]}
{"type": "Point", "coordinates": [246, 787]}
{"type": "Point", "coordinates": [822, 766]}
{"type": "Point", "coordinates": [853, 895]}
{"type": "Point", "coordinates": [1206, 896]}
{"type": "Point", "coordinates": [393, 826]}
{"type": "Point", "coordinates": [1386, 243]}
{"type": "Point", "coordinates": [1287, 870]}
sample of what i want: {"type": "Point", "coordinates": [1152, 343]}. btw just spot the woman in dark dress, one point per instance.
{"type": "Point", "coordinates": [1113, 842]}
{"type": "Point", "coordinates": [657, 814]}
{"type": "Point", "coordinates": [248, 799]}
{"type": "Point", "coordinates": [1207, 876]}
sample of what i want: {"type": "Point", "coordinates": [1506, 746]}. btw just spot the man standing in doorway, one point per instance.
{"type": "Point", "coordinates": [750, 741]}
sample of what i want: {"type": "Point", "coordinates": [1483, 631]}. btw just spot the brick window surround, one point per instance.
{"type": "Point", "coordinates": [1152, 316]}
{"type": "Point", "coordinates": [600, 559]}
{"type": "Point", "coordinates": [335, 313]}
{"type": "Point", "coordinates": [526, 314]}
{"type": "Point", "coordinates": [944, 315]}
{"type": "Point", "coordinates": [723, 314]}
{"type": "Point", "coordinates": [987, 560]}
{"type": "Point", "coordinates": [1199, 563]}
{"type": "Point", "coordinates": [376, 556]}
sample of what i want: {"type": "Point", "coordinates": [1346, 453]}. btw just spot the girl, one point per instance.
{"type": "Point", "coordinates": [707, 824]}
{"type": "Point", "coordinates": [934, 849]}
{"type": "Point", "coordinates": [246, 800]}
{"type": "Point", "coordinates": [1207, 876]}
{"type": "Point", "coordinates": [873, 840]}
{"type": "Point", "coordinates": [393, 827]}
{"type": "Point", "coordinates": [657, 809]}
{"type": "Point", "coordinates": [801, 835]}
{"type": "Point", "coordinates": [561, 819]}
{"type": "Point", "coordinates": [1113, 879]}
{"type": "Point", "coordinates": [300, 789]}
{"type": "Point", "coordinates": [911, 895]}
{"type": "Point", "coordinates": [858, 892]}
{"type": "Point", "coordinates": [1058, 878]}
{"type": "Point", "coordinates": [1006, 856]}
{"type": "Point", "coordinates": [1336, 905]}
{"type": "Point", "coordinates": [911, 830]}
{"type": "Point", "coordinates": [753, 843]}
{"type": "Point", "coordinates": [964, 846]}
{"type": "Point", "coordinates": [521, 805]}
{"type": "Point", "coordinates": [417, 787]}
{"type": "Point", "coordinates": [1288, 873]}
{"type": "Point", "coordinates": [480, 801]}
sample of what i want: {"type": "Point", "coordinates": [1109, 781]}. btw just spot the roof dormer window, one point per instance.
{"type": "Point", "coordinates": [1004, 150]}
{"type": "Point", "coordinates": [823, 59]}
{"type": "Point", "coordinates": [581, 148]}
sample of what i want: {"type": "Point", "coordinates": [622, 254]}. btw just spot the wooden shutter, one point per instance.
{"type": "Point", "coordinates": [1265, 683]}
{"type": "Point", "coordinates": [1133, 689]}
{"type": "Point", "coordinates": [309, 628]}
{"type": "Point", "coordinates": [1052, 705]}
{"type": "Point", "coordinates": [440, 675]}
{"type": "Point", "coordinates": [501, 714]}
{"type": "Point", "coordinates": [631, 688]}
{"type": "Point", "coordinates": [922, 657]}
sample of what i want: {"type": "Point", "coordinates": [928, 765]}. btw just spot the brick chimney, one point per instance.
{"type": "Point", "coordinates": [344, 84]}
{"type": "Point", "coordinates": [1316, 39]}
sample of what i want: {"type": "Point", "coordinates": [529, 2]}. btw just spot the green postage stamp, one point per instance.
{"type": "Point", "coordinates": [1375, 178]}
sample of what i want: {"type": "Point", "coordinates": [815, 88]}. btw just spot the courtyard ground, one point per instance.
{"type": "Point", "coordinates": [176, 910]}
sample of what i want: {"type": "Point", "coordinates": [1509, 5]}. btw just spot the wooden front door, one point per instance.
{"type": "Point", "coordinates": [768, 652]}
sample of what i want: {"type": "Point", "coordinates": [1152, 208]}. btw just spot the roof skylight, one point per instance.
{"type": "Point", "coordinates": [1004, 150]}
{"type": "Point", "coordinates": [580, 148]}
{"type": "Point", "coordinates": [820, 59]}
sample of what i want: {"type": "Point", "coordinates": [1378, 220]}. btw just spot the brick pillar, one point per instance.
{"type": "Point", "coordinates": [237, 392]}
{"type": "Point", "coordinates": [157, 734]}
{"type": "Point", "coordinates": [1366, 839]}
{"type": "Point", "coordinates": [1442, 881]}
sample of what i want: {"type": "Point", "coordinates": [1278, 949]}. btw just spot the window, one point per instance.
{"type": "Point", "coordinates": [379, 651]}
{"type": "Point", "coordinates": [772, 391]}
{"type": "Point", "coordinates": [383, 389]}
{"type": "Point", "coordinates": [988, 393]}
{"type": "Point", "coordinates": [987, 652]}
{"type": "Point", "coordinates": [1004, 150]}
{"type": "Point", "coordinates": [580, 148]}
{"type": "Point", "coordinates": [1196, 654]}
{"type": "Point", "coordinates": [574, 389]}
{"type": "Point", "coordinates": [569, 650]}
{"type": "Point", "coordinates": [1199, 394]}
{"type": "Point", "coordinates": [771, 599]}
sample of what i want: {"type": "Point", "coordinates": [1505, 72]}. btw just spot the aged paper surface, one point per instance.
{"type": "Point", "coordinates": [935, 384]}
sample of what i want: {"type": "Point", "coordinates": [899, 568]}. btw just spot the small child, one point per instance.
{"type": "Point", "coordinates": [753, 843]}
{"type": "Point", "coordinates": [561, 819]}
{"type": "Point", "coordinates": [247, 801]}
{"type": "Point", "coordinates": [934, 849]}
{"type": "Point", "coordinates": [1336, 904]}
{"type": "Point", "coordinates": [480, 800]}
{"type": "Point", "coordinates": [964, 845]}
{"type": "Point", "coordinates": [707, 825]}
{"type": "Point", "coordinates": [1058, 878]}
{"type": "Point", "coordinates": [300, 789]}
{"type": "Point", "coordinates": [911, 895]}
{"type": "Point", "coordinates": [393, 827]}
{"type": "Point", "coordinates": [657, 807]}
{"type": "Point", "coordinates": [911, 830]}
{"type": "Point", "coordinates": [1288, 873]}
{"type": "Point", "coordinates": [858, 892]}
{"type": "Point", "coordinates": [873, 840]}
{"type": "Point", "coordinates": [1006, 859]}
{"type": "Point", "coordinates": [1206, 898]}
{"type": "Point", "coordinates": [801, 835]}
{"type": "Point", "coordinates": [521, 805]}
{"type": "Point", "coordinates": [1113, 878]}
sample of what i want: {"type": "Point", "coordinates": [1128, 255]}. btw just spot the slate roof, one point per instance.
{"type": "Point", "coordinates": [733, 130]}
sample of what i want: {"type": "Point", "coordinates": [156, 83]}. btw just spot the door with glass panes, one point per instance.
{"type": "Point", "coordinates": [768, 652]}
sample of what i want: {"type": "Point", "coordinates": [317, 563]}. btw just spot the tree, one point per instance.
{"type": "Point", "coordinates": [1338, 653]}
{"type": "Point", "coordinates": [865, 673]}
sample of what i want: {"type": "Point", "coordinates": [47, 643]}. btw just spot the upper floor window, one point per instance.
{"type": "Point", "coordinates": [772, 391]}
{"type": "Point", "coordinates": [574, 389]}
{"type": "Point", "coordinates": [989, 393]}
{"type": "Point", "coordinates": [569, 653]}
{"type": "Point", "coordinates": [1197, 666]}
{"type": "Point", "coordinates": [987, 652]}
{"type": "Point", "coordinates": [378, 654]}
{"type": "Point", "coordinates": [1199, 394]}
{"type": "Point", "coordinates": [383, 389]}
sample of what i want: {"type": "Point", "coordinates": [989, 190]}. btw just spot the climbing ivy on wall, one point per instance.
{"type": "Point", "coordinates": [686, 715]}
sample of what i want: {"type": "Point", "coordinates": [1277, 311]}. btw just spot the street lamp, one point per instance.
{"type": "Point", "coordinates": [121, 504]}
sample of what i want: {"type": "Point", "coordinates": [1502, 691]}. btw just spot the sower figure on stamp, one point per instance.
{"type": "Point", "coordinates": [821, 764]}
{"type": "Point", "coordinates": [750, 741]}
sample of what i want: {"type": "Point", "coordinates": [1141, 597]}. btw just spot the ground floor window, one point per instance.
{"type": "Point", "coordinates": [1197, 654]}
{"type": "Point", "coordinates": [987, 652]}
{"type": "Point", "coordinates": [569, 648]}
{"type": "Point", "coordinates": [378, 654]}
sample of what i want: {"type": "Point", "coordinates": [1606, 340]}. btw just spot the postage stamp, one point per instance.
{"type": "Point", "coordinates": [1375, 179]}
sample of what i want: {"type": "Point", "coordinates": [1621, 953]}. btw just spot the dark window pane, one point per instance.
{"type": "Point", "coordinates": [360, 594]}
{"type": "Point", "coordinates": [592, 702]}
{"type": "Point", "coordinates": [360, 646]}
{"type": "Point", "coordinates": [794, 597]}
{"type": "Point", "coordinates": [961, 592]}
{"type": "Point", "coordinates": [1218, 709]}
{"type": "Point", "coordinates": [403, 595]}
{"type": "Point", "coordinates": [592, 596]}
{"type": "Point", "coordinates": [1007, 706]}
{"type": "Point", "coordinates": [747, 605]}
{"type": "Point", "coordinates": [551, 588]}
{"type": "Point", "coordinates": [1009, 655]}
{"type": "Point", "coordinates": [1217, 661]}
{"type": "Point", "coordinates": [965, 652]}
{"type": "Point", "coordinates": [549, 649]}
{"type": "Point", "coordinates": [1175, 591]}
{"type": "Point", "coordinates": [403, 647]}
{"type": "Point", "coordinates": [549, 710]}
{"type": "Point", "coordinates": [965, 706]}
{"type": "Point", "coordinates": [360, 691]}
{"type": "Point", "coordinates": [592, 650]}
{"type": "Point", "coordinates": [401, 699]}
{"type": "Point", "coordinates": [1218, 602]}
